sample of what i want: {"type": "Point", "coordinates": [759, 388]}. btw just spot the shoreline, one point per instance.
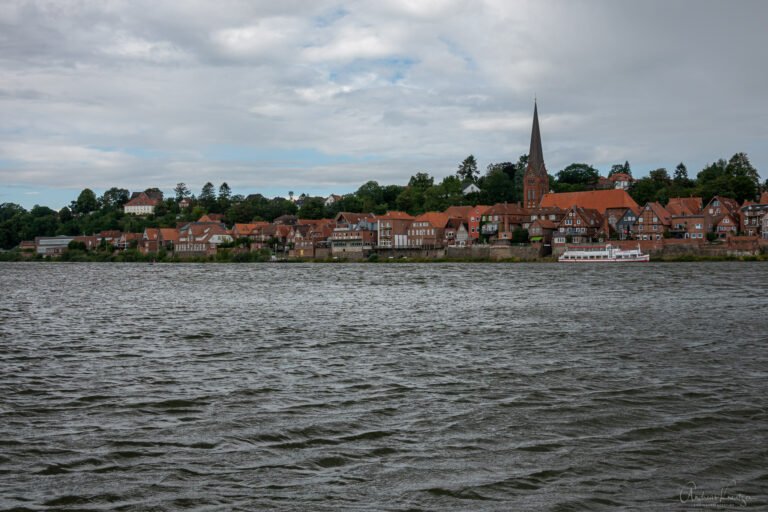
{"type": "Point", "coordinates": [11, 256]}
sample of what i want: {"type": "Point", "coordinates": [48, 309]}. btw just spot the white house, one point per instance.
{"type": "Point", "coordinates": [142, 204]}
{"type": "Point", "coordinates": [470, 189]}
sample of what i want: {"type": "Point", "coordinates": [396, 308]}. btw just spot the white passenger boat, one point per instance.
{"type": "Point", "coordinates": [606, 253]}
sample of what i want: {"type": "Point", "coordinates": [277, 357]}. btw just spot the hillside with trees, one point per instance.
{"type": "Point", "coordinates": [501, 182]}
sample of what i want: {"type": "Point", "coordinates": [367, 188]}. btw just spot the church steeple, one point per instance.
{"type": "Point", "coordinates": [536, 179]}
{"type": "Point", "coordinates": [536, 154]}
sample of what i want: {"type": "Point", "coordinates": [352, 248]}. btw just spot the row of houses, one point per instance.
{"type": "Point", "coordinates": [578, 217]}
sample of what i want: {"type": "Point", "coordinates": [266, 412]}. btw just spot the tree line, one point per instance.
{"type": "Point", "coordinates": [501, 182]}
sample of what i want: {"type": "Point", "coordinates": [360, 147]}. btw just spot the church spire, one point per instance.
{"type": "Point", "coordinates": [536, 154]}
{"type": "Point", "coordinates": [536, 179]}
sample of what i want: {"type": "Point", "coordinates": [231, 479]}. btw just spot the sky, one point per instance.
{"type": "Point", "coordinates": [320, 96]}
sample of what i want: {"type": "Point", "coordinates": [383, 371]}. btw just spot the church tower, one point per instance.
{"type": "Point", "coordinates": [535, 180]}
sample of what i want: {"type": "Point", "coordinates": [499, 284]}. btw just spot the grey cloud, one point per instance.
{"type": "Point", "coordinates": [399, 86]}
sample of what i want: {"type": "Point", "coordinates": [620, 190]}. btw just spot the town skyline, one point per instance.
{"type": "Point", "coordinates": [320, 102]}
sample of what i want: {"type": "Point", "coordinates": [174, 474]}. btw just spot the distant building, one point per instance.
{"type": "Point", "coordinates": [393, 230]}
{"type": "Point", "coordinates": [470, 189]}
{"type": "Point", "coordinates": [331, 199]}
{"type": "Point", "coordinates": [141, 204]}
{"type": "Point", "coordinates": [621, 180]}
{"type": "Point", "coordinates": [52, 245]}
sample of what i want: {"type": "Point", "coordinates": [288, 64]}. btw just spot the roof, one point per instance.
{"type": "Point", "coordinates": [142, 200]}
{"type": "Point", "coordinates": [726, 202]}
{"type": "Point", "coordinates": [591, 215]}
{"type": "Point", "coordinates": [462, 212]}
{"type": "Point", "coordinates": [169, 234]}
{"type": "Point", "coordinates": [599, 200]}
{"type": "Point", "coordinates": [435, 219]}
{"type": "Point", "coordinates": [351, 217]}
{"type": "Point", "coordinates": [681, 206]}
{"type": "Point", "coordinates": [545, 223]}
{"type": "Point", "coordinates": [619, 176]}
{"type": "Point", "coordinates": [505, 209]}
{"type": "Point", "coordinates": [211, 217]}
{"type": "Point", "coordinates": [395, 215]}
{"type": "Point", "coordinates": [536, 154]}
{"type": "Point", "coordinates": [151, 233]}
{"type": "Point", "coordinates": [659, 211]}
{"type": "Point", "coordinates": [764, 198]}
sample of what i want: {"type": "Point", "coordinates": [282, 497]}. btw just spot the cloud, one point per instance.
{"type": "Point", "coordinates": [134, 93]}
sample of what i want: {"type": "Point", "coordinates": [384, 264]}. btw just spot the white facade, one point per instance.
{"type": "Point", "coordinates": [140, 209]}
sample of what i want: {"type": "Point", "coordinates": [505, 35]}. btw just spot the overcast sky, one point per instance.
{"type": "Point", "coordinates": [320, 96]}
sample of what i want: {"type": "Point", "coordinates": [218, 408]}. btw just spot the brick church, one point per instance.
{"type": "Point", "coordinates": [536, 179]}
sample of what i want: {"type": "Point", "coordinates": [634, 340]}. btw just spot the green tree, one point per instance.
{"type": "Point", "coordinates": [207, 197]}
{"type": "Point", "coordinates": [497, 186]}
{"type": "Point", "coordinates": [421, 180]}
{"type": "Point", "coordinates": [114, 198]}
{"type": "Point", "coordinates": [225, 197]}
{"type": "Point", "coordinates": [580, 174]}
{"type": "Point", "coordinates": [181, 191]}
{"type": "Point", "coordinates": [370, 195]}
{"type": "Point", "coordinates": [86, 202]}
{"type": "Point", "coordinates": [65, 215]}
{"type": "Point", "coordinates": [660, 176]}
{"type": "Point", "coordinates": [312, 208]}
{"type": "Point", "coordinates": [620, 168]}
{"type": "Point", "coordinates": [467, 170]}
{"type": "Point", "coordinates": [740, 166]}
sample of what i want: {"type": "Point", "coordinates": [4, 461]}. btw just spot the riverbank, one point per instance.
{"type": "Point", "coordinates": [262, 257]}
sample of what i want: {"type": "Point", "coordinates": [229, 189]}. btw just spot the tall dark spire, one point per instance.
{"type": "Point", "coordinates": [536, 179]}
{"type": "Point", "coordinates": [536, 154]}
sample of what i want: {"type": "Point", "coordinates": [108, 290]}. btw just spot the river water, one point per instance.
{"type": "Point", "coordinates": [383, 386]}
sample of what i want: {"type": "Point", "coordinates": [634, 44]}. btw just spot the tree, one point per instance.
{"type": "Point", "coordinates": [620, 168]}
{"type": "Point", "coordinates": [497, 186]}
{"type": "Point", "coordinates": [86, 202]}
{"type": "Point", "coordinates": [65, 215]}
{"type": "Point", "coordinates": [224, 199]}
{"type": "Point", "coordinates": [114, 198]}
{"type": "Point", "coordinates": [371, 195]}
{"type": "Point", "coordinates": [421, 180]}
{"type": "Point", "coordinates": [312, 208]}
{"type": "Point", "coordinates": [467, 170]}
{"type": "Point", "coordinates": [681, 173]}
{"type": "Point", "coordinates": [739, 165]}
{"type": "Point", "coordinates": [207, 197]}
{"type": "Point", "coordinates": [181, 191]}
{"type": "Point", "coordinates": [579, 174]}
{"type": "Point", "coordinates": [225, 193]}
{"type": "Point", "coordinates": [660, 176]}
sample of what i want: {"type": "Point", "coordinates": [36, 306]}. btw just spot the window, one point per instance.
{"type": "Point", "coordinates": [578, 221]}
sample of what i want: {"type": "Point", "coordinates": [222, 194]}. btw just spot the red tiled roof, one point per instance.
{"type": "Point", "coordinates": [435, 219]}
{"type": "Point", "coordinates": [505, 209]}
{"type": "Point", "coordinates": [599, 200]}
{"type": "Point", "coordinates": [461, 212]}
{"type": "Point", "coordinates": [169, 234]}
{"type": "Point", "coordinates": [545, 223]}
{"type": "Point", "coordinates": [142, 200]}
{"type": "Point", "coordinates": [151, 233]}
{"type": "Point", "coordinates": [660, 212]}
{"type": "Point", "coordinates": [620, 176]}
{"type": "Point", "coordinates": [681, 206]}
{"type": "Point", "coordinates": [395, 215]}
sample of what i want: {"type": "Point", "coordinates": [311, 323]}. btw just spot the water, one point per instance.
{"type": "Point", "coordinates": [383, 387]}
